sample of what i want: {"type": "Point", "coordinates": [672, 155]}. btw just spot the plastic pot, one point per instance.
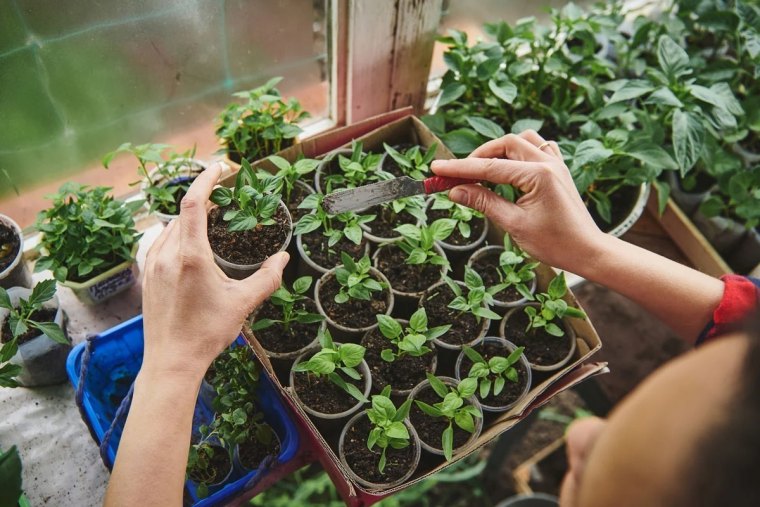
{"type": "Point", "coordinates": [16, 274]}
{"type": "Point", "coordinates": [459, 251]}
{"type": "Point", "coordinates": [636, 212]}
{"type": "Point", "coordinates": [569, 335]}
{"type": "Point", "coordinates": [687, 201]}
{"type": "Point", "coordinates": [510, 348]}
{"type": "Point", "coordinates": [189, 170]}
{"type": "Point", "coordinates": [238, 465]}
{"type": "Point", "coordinates": [241, 271]}
{"type": "Point", "coordinates": [308, 266]}
{"type": "Point", "coordinates": [484, 323]}
{"type": "Point", "coordinates": [472, 400]}
{"type": "Point", "coordinates": [216, 486]}
{"type": "Point", "coordinates": [106, 285]}
{"type": "Point", "coordinates": [746, 255]}
{"type": "Point", "coordinates": [530, 500]}
{"type": "Point", "coordinates": [43, 361]}
{"type": "Point", "coordinates": [487, 250]}
{"type": "Point", "coordinates": [722, 233]}
{"type": "Point", "coordinates": [415, 444]}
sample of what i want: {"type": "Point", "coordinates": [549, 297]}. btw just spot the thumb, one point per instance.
{"type": "Point", "coordinates": [498, 209]}
{"type": "Point", "coordinates": [260, 285]}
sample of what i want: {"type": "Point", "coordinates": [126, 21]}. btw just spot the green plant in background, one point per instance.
{"type": "Point", "coordinates": [552, 308]}
{"type": "Point", "coordinates": [348, 222]}
{"type": "Point", "coordinates": [165, 188]}
{"type": "Point", "coordinates": [253, 201]}
{"type": "Point", "coordinates": [738, 197]}
{"type": "Point", "coordinates": [355, 279]}
{"type": "Point", "coordinates": [462, 215]}
{"type": "Point", "coordinates": [514, 270]}
{"type": "Point", "coordinates": [477, 300]}
{"type": "Point", "coordinates": [418, 241]}
{"type": "Point", "coordinates": [262, 125]}
{"type": "Point", "coordinates": [388, 428]}
{"type": "Point", "coordinates": [453, 407]}
{"type": "Point", "coordinates": [10, 477]}
{"type": "Point", "coordinates": [413, 162]}
{"type": "Point", "coordinates": [412, 340]}
{"type": "Point", "coordinates": [493, 373]}
{"type": "Point", "coordinates": [334, 359]}
{"type": "Point", "coordinates": [85, 232]}
{"type": "Point", "coordinates": [290, 173]}
{"type": "Point", "coordinates": [554, 415]}
{"type": "Point", "coordinates": [200, 467]}
{"type": "Point", "coordinates": [20, 317]}
{"type": "Point", "coordinates": [359, 169]}
{"type": "Point", "coordinates": [288, 303]}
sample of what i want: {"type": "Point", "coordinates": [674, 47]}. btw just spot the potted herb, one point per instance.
{"type": "Point", "coordinates": [165, 177]}
{"type": "Point", "coordinates": [209, 466]}
{"type": "Point", "coordinates": [541, 329]}
{"type": "Point", "coordinates": [13, 270]}
{"type": "Point", "coordinates": [471, 226]}
{"type": "Point", "coordinates": [352, 294]}
{"type": "Point", "coordinates": [400, 352]}
{"type": "Point", "coordinates": [89, 242]}
{"type": "Point", "coordinates": [413, 162]}
{"type": "Point", "coordinates": [379, 447]}
{"type": "Point", "coordinates": [31, 326]}
{"type": "Point", "coordinates": [347, 170]}
{"type": "Point", "coordinates": [262, 125]}
{"type": "Point", "coordinates": [249, 223]}
{"type": "Point", "coordinates": [322, 238]}
{"type": "Point", "coordinates": [445, 414]}
{"type": "Point", "coordinates": [331, 381]}
{"type": "Point", "coordinates": [501, 370]}
{"type": "Point", "coordinates": [294, 189]}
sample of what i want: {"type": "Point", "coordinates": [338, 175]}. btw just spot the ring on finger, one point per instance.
{"type": "Point", "coordinates": [543, 145]}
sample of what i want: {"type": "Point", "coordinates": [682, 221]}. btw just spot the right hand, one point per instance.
{"type": "Point", "coordinates": [549, 221]}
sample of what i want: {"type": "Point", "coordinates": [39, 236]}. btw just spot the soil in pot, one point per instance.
{"type": "Point", "coordinates": [541, 348]}
{"type": "Point", "coordinates": [276, 338]}
{"type": "Point", "coordinates": [403, 373]}
{"type": "Point", "coordinates": [512, 390]}
{"type": "Point", "coordinates": [354, 313]}
{"type": "Point", "coordinates": [464, 327]}
{"type": "Point", "coordinates": [9, 245]}
{"type": "Point", "coordinates": [429, 428]}
{"type": "Point", "coordinates": [487, 266]}
{"type": "Point", "coordinates": [321, 395]}
{"type": "Point", "coordinates": [245, 248]}
{"type": "Point", "coordinates": [364, 462]}
{"type": "Point", "coordinates": [391, 166]}
{"type": "Point", "coordinates": [315, 245]}
{"type": "Point", "coordinates": [252, 452]}
{"type": "Point", "coordinates": [623, 201]}
{"type": "Point", "coordinates": [219, 466]}
{"type": "Point", "coordinates": [476, 228]}
{"type": "Point", "coordinates": [391, 261]}
{"type": "Point", "coordinates": [386, 220]}
{"type": "Point", "coordinates": [42, 315]}
{"type": "Point", "coordinates": [297, 195]}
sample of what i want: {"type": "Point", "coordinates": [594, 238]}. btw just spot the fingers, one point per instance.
{"type": "Point", "coordinates": [581, 437]}
{"type": "Point", "coordinates": [192, 215]}
{"type": "Point", "coordinates": [499, 210]}
{"type": "Point", "coordinates": [260, 285]}
{"type": "Point", "coordinates": [513, 147]}
{"type": "Point", "coordinates": [535, 138]}
{"type": "Point", "coordinates": [522, 175]}
{"type": "Point", "coordinates": [158, 245]}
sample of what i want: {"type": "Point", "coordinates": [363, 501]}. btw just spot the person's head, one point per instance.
{"type": "Point", "coordinates": [689, 436]}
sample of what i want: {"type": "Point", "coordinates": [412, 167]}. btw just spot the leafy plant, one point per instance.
{"type": "Point", "coordinates": [462, 215]}
{"type": "Point", "coordinates": [453, 407]}
{"type": "Point", "coordinates": [20, 316]}
{"type": "Point", "coordinates": [10, 477]}
{"type": "Point", "coordinates": [552, 308]}
{"type": "Point", "coordinates": [514, 270]}
{"type": "Point", "coordinates": [418, 241]}
{"type": "Point", "coordinates": [493, 373]}
{"type": "Point", "coordinates": [355, 279]}
{"type": "Point", "coordinates": [388, 428]}
{"type": "Point", "coordinates": [262, 125]}
{"type": "Point", "coordinates": [334, 359]}
{"type": "Point", "coordinates": [413, 162]}
{"type": "Point", "coordinates": [200, 467]}
{"type": "Point", "coordinates": [290, 173]}
{"type": "Point", "coordinates": [411, 340]}
{"type": "Point", "coordinates": [738, 197]}
{"type": "Point", "coordinates": [477, 300]}
{"type": "Point", "coordinates": [85, 232]}
{"type": "Point", "coordinates": [287, 301]}
{"type": "Point", "coordinates": [348, 223]}
{"type": "Point", "coordinates": [253, 201]}
{"type": "Point", "coordinates": [359, 169]}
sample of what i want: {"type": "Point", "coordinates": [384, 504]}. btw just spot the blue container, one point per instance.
{"type": "Point", "coordinates": [115, 359]}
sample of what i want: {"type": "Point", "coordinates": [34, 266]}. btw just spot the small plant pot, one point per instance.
{"type": "Point", "coordinates": [225, 474]}
{"type": "Point", "coordinates": [746, 256]}
{"type": "Point", "coordinates": [456, 246]}
{"type": "Point", "coordinates": [436, 317]}
{"type": "Point", "coordinates": [687, 201]}
{"type": "Point", "coordinates": [378, 239]}
{"type": "Point", "coordinates": [722, 233]}
{"type": "Point", "coordinates": [307, 266]}
{"type": "Point", "coordinates": [482, 255]}
{"type": "Point", "coordinates": [344, 328]}
{"type": "Point", "coordinates": [530, 500]}
{"type": "Point", "coordinates": [13, 270]}
{"type": "Point", "coordinates": [106, 285]}
{"type": "Point", "coordinates": [323, 169]}
{"type": "Point", "coordinates": [531, 343]}
{"type": "Point", "coordinates": [491, 404]}
{"type": "Point", "coordinates": [417, 418]}
{"type": "Point", "coordinates": [190, 170]}
{"type": "Point", "coordinates": [352, 447]}
{"type": "Point", "coordinates": [43, 361]}
{"type": "Point", "coordinates": [241, 271]}
{"type": "Point", "coordinates": [242, 468]}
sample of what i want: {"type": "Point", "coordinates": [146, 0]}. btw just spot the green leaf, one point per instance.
{"type": "Point", "coordinates": [498, 385]}
{"type": "Point", "coordinates": [485, 127]}
{"type": "Point", "coordinates": [351, 354]}
{"type": "Point", "coordinates": [10, 476]}
{"type": "Point", "coordinates": [688, 139]}
{"type": "Point", "coordinates": [221, 196]}
{"type": "Point", "coordinates": [447, 441]}
{"type": "Point", "coordinates": [653, 155]}
{"type": "Point", "coordinates": [505, 91]}
{"type": "Point", "coordinates": [485, 388]}
{"type": "Point", "coordinates": [5, 300]}
{"type": "Point", "coordinates": [467, 387]}
{"type": "Point", "coordinates": [302, 284]}
{"type": "Point", "coordinates": [673, 59]}
{"type": "Point", "coordinates": [437, 385]}
{"type": "Point", "coordinates": [263, 324]}
{"type": "Point", "coordinates": [663, 194]}
{"type": "Point", "coordinates": [428, 409]}
{"type": "Point", "coordinates": [353, 233]}
{"type": "Point", "coordinates": [43, 291]}
{"type": "Point", "coordinates": [419, 321]}
{"type": "Point", "coordinates": [442, 228]}
{"type": "Point", "coordinates": [387, 355]}
{"type": "Point", "coordinates": [388, 326]}
{"type": "Point", "coordinates": [631, 90]}
{"type": "Point", "coordinates": [524, 124]}
{"type": "Point", "coordinates": [450, 93]}
{"type": "Point", "coordinates": [465, 421]}
{"type": "Point", "coordinates": [462, 141]}
{"type": "Point", "coordinates": [52, 330]}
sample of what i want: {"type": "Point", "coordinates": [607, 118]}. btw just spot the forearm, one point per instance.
{"type": "Point", "coordinates": [150, 464]}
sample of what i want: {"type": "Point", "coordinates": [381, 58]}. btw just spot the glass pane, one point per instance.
{"type": "Point", "coordinates": [75, 82]}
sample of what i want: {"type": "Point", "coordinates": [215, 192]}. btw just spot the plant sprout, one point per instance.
{"type": "Point", "coordinates": [286, 300]}
{"type": "Point", "coordinates": [493, 373]}
{"type": "Point", "coordinates": [355, 279]}
{"type": "Point", "coordinates": [514, 270]}
{"type": "Point", "coordinates": [361, 168]}
{"type": "Point", "coordinates": [411, 341]}
{"type": "Point", "coordinates": [551, 308]}
{"type": "Point", "coordinates": [462, 215]}
{"type": "Point", "coordinates": [418, 241]}
{"type": "Point", "coordinates": [348, 223]}
{"type": "Point", "coordinates": [388, 428]}
{"type": "Point", "coordinates": [477, 300]}
{"type": "Point", "coordinates": [413, 162]}
{"type": "Point", "coordinates": [290, 173]}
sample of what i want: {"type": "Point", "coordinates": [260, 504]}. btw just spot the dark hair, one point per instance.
{"type": "Point", "coordinates": [725, 465]}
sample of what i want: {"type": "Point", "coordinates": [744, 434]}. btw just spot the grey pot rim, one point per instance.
{"type": "Point", "coordinates": [285, 355]}
{"type": "Point", "coordinates": [310, 262]}
{"type": "Point", "coordinates": [418, 294]}
{"type": "Point", "coordinates": [10, 223]}
{"type": "Point", "coordinates": [497, 302]}
{"type": "Point", "coordinates": [636, 212]}
{"type": "Point", "coordinates": [484, 323]}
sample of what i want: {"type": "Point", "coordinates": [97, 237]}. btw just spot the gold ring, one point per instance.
{"type": "Point", "coordinates": [543, 145]}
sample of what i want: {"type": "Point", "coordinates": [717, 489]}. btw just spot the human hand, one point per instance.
{"type": "Point", "coordinates": [192, 310]}
{"type": "Point", "coordinates": [549, 221]}
{"type": "Point", "coordinates": [580, 439]}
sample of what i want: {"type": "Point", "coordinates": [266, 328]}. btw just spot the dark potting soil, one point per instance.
{"type": "Point", "coordinates": [297, 195]}
{"type": "Point", "coordinates": [391, 261]}
{"type": "Point", "coordinates": [252, 452]}
{"type": "Point", "coordinates": [219, 466]}
{"type": "Point", "coordinates": [386, 220]}
{"type": "Point", "coordinates": [487, 266]}
{"type": "Point", "coordinates": [403, 373]}
{"type": "Point", "coordinates": [43, 315]}
{"type": "Point", "coordinates": [623, 202]}
{"type": "Point", "coordinates": [319, 394]}
{"type": "Point", "coordinates": [246, 247]}
{"type": "Point", "coordinates": [476, 228]}
{"type": "Point", "coordinates": [512, 390]}
{"type": "Point", "coordinates": [315, 246]}
{"type": "Point", "coordinates": [464, 327]}
{"type": "Point", "coordinates": [9, 245]}
{"type": "Point", "coordinates": [354, 313]}
{"type": "Point", "coordinates": [364, 462]}
{"type": "Point", "coordinates": [429, 428]}
{"type": "Point", "coordinates": [541, 348]}
{"type": "Point", "coordinates": [276, 338]}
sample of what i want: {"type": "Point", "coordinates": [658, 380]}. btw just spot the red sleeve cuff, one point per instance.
{"type": "Point", "coordinates": [740, 298]}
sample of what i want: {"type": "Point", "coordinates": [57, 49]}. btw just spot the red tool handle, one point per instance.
{"type": "Point", "coordinates": [441, 183]}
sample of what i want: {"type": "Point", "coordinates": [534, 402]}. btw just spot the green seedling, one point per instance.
{"type": "Point", "coordinates": [359, 169]}
{"type": "Point", "coordinates": [355, 279]}
{"type": "Point", "coordinates": [412, 340]}
{"type": "Point", "coordinates": [461, 215]}
{"type": "Point", "coordinates": [418, 241]}
{"type": "Point", "coordinates": [388, 428]}
{"type": "Point", "coordinates": [477, 300]}
{"type": "Point", "coordinates": [552, 308]}
{"type": "Point", "coordinates": [334, 227]}
{"type": "Point", "coordinates": [286, 300]}
{"type": "Point", "coordinates": [413, 162]}
{"type": "Point", "coordinates": [290, 173]}
{"type": "Point", "coordinates": [495, 372]}
{"type": "Point", "coordinates": [515, 270]}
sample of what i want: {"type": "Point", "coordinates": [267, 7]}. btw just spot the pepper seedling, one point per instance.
{"type": "Point", "coordinates": [348, 227]}
{"type": "Point", "coordinates": [411, 341]}
{"type": "Point", "coordinates": [290, 173]}
{"type": "Point", "coordinates": [286, 300]}
{"type": "Point", "coordinates": [20, 316]}
{"type": "Point", "coordinates": [355, 279]}
{"type": "Point", "coordinates": [388, 428]}
{"type": "Point", "coordinates": [359, 169]}
{"type": "Point", "coordinates": [476, 301]}
{"type": "Point", "coordinates": [551, 308]}
{"type": "Point", "coordinates": [418, 241]}
{"type": "Point", "coordinates": [514, 270]}
{"type": "Point", "coordinates": [462, 215]}
{"type": "Point", "coordinates": [413, 162]}
{"type": "Point", "coordinates": [494, 372]}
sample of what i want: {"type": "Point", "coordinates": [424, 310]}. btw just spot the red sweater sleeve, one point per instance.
{"type": "Point", "coordinates": [741, 297]}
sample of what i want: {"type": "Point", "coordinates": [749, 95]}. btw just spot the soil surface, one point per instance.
{"type": "Point", "coordinates": [401, 374]}
{"type": "Point", "coordinates": [430, 429]}
{"type": "Point", "coordinates": [476, 228]}
{"type": "Point", "coordinates": [315, 246]}
{"type": "Point", "coordinates": [252, 453]}
{"type": "Point", "coordinates": [464, 327]}
{"type": "Point", "coordinates": [276, 338]}
{"type": "Point", "coordinates": [319, 394]}
{"type": "Point", "coordinates": [219, 467]}
{"type": "Point", "coordinates": [354, 313]}
{"type": "Point", "coordinates": [386, 220]}
{"type": "Point", "coordinates": [43, 315]}
{"type": "Point", "coordinates": [297, 195]}
{"type": "Point", "coordinates": [512, 390]}
{"type": "Point", "coordinates": [364, 462]}
{"type": "Point", "coordinates": [541, 348]}
{"type": "Point", "coordinates": [9, 245]}
{"type": "Point", "coordinates": [487, 266]}
{"type": "Point", "coordinates": [391, 261]}
{"type": "Point", "coordinates": [622, 203]}
{"type": "Point", "coordinates": [246, 247]}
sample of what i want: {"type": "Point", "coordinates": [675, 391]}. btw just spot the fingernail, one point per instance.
{"type": "Point", "coordinates": [458, 194]}
{"type": "Point", "coordinates": [284, 258]}
{"type": "Point", "coordinates": [438, 163]}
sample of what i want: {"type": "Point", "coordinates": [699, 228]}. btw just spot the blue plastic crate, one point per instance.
{"type": "Point", "coordinates": [115, 359]}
